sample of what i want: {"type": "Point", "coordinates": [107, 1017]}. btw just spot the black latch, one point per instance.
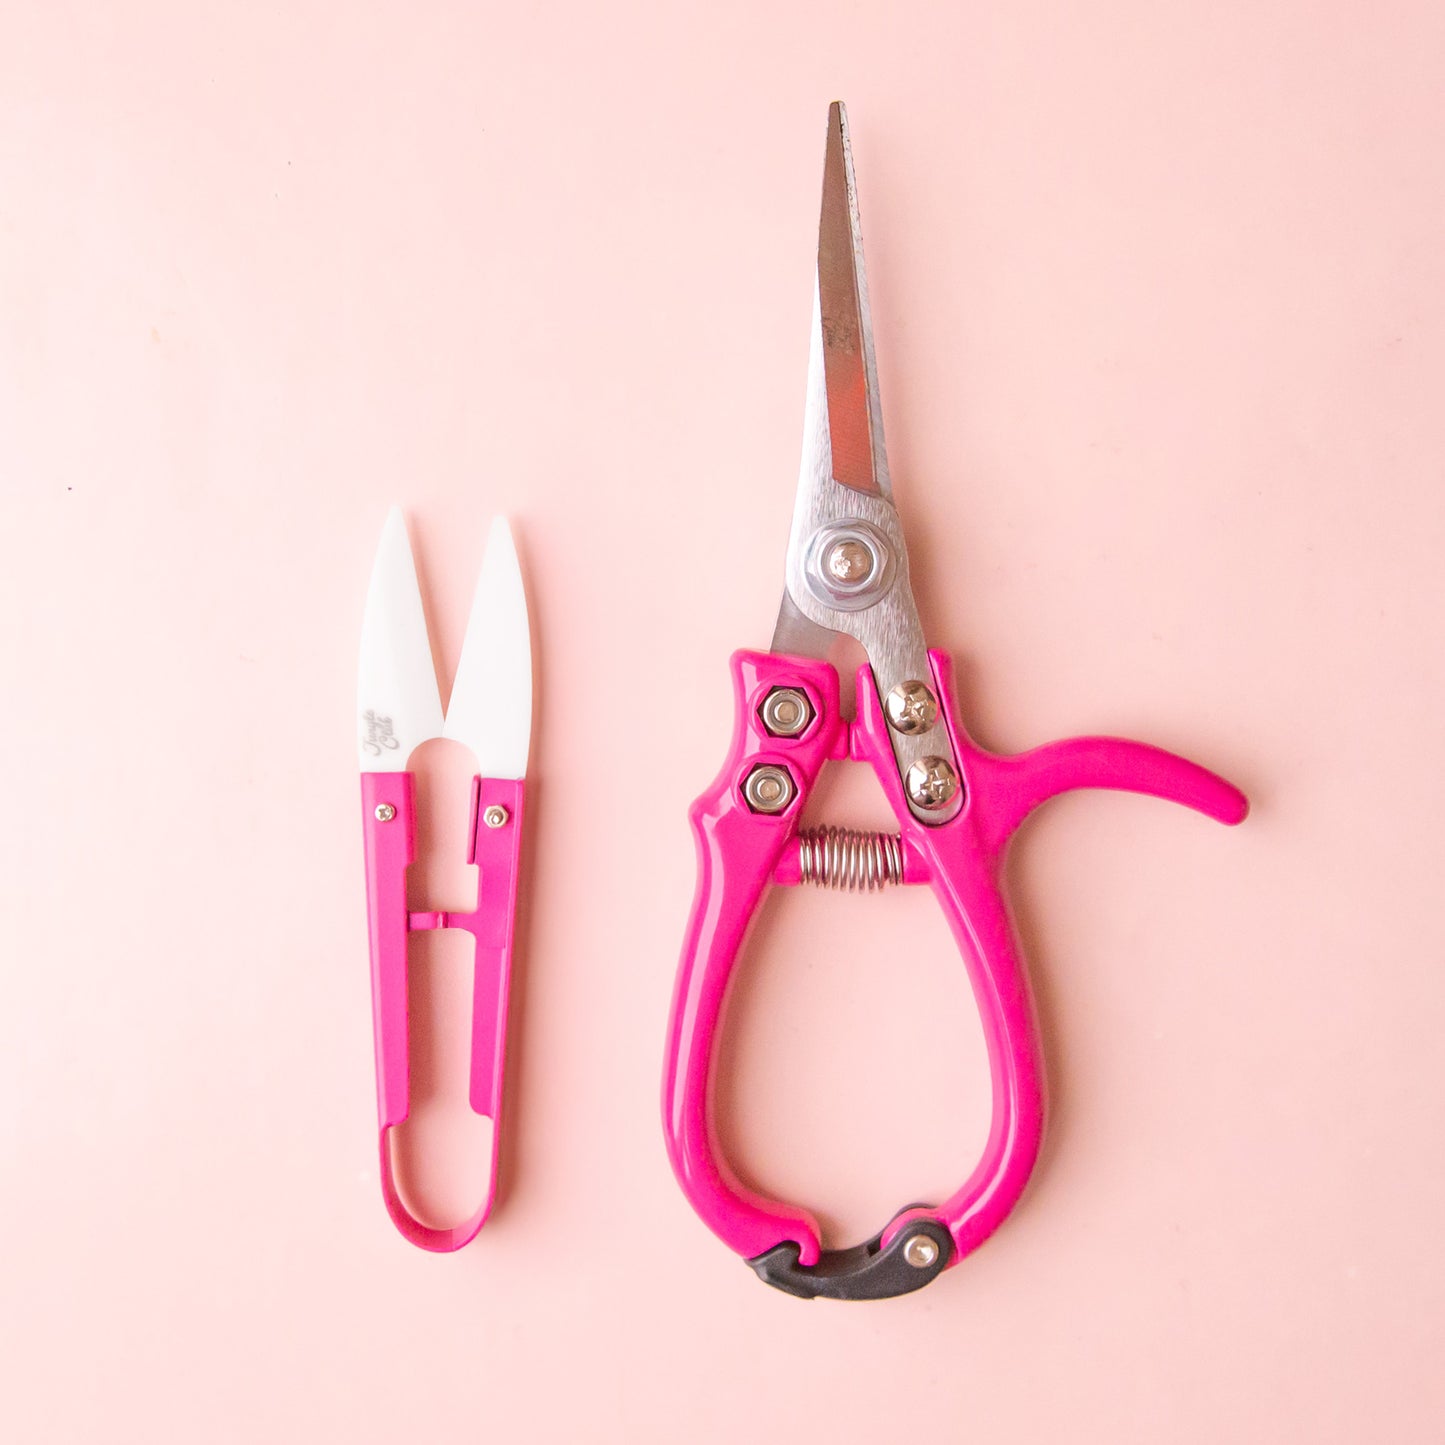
{"type": "Point", "coordinates": [916, 1255]}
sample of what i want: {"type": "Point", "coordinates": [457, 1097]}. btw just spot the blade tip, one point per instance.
{"type": "Point", "coordinates": [500, 540]}
{"type": "Point", "coordinates": [393, 529]}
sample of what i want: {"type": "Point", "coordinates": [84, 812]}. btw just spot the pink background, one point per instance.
{"type": "Point", "coordinates": [1159, 306]}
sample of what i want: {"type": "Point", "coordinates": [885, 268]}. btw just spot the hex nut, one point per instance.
{"type": "Point", "coordinates": [768, 788]}
{"type": "Point", "coordinates": [786, 712]}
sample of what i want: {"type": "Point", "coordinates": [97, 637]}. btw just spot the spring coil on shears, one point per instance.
{"type": "Point", "coordinates": [846, 858]}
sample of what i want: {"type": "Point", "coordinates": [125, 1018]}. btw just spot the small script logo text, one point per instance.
{"type": "Point", "coordinates": [378, 733]}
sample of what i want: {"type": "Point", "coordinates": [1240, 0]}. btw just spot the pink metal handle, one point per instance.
{"type": "Point", "coordinates": [965, 861]}
{"type": "Point", "coordinates": [739, 852]}
{"type": "Point", "coordinates": [389, 827]}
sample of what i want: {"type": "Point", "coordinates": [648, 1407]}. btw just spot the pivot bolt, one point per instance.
{"type": "Point", "coordinates": [849, 561]}
{"type": "Point", "coordinates": [385, 812]}
{"type": "Point", "coordinates": [849, 564]}
{"type": "Point", "coordinates": [931, 782]}
{"type": "Point", "coordinates": [786, 712]}
{"type": "Point", "coordinates": [911, 708]}
{"type": "Point", "coordinates": [768, 789]}
{"type": "Point", "coordinates": [921, 1251]}
{"type": "Point", "coordinates": [496, 816]}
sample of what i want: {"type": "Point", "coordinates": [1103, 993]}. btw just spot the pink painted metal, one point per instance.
{"type": "Point", "coordinates": [390, 839]}
{"type": "Point", "coordinates": [741, 852]}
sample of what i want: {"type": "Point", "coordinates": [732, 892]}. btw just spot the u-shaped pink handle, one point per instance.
{"type": "Point", "coordinates": [739, 852]}
{"type": "Point", "coordinates": [389, 828]}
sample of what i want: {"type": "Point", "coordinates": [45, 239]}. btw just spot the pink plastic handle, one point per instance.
{"type": "Point", "coordinates": [740, 852]}
{"type": "Point", "coordinates": [389, 828]}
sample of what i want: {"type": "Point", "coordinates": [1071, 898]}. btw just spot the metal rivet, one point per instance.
{"type": "Point", "coordinates": [931, 782]}
{"type": "Point", "coordinates": [496, 816]}
{"type": "Point", "coordinates": [768, 789]}
{"type": "Point", "coordinates": [921, 1251]}
{"type": "Point", "coordinates": [385, 812]}
{"type": "Point", "coordinates": [911, 708]}
{"type": "Point", "coordinates": [849, 561]}
{"type": "Point", "coordinates": [786, 712]}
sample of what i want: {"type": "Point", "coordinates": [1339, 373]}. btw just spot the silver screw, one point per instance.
{"type": "Point", "coordinates": [849, 561]}
{"type": "Point", "coordinates": [786, 712]}
{"type": "Point", "coordinates": [768, 789]}
{"type": "Point", "coordinates": [496, 816]}
{"type": "Point", "coordinates": [385, 812]}
{"type": "Point", "coordinates": [931, 782]}
{"type": "Point", "coordinates": [911, 708]}
{"type": "Point", "coordinates": [921, 1251]}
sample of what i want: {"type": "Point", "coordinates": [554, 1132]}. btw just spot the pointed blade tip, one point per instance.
{"type": "Point", "coordinates": [500, 556]}
{"type": "Point", "coordinates": [499, 534]}
{"type": "Point", "coordinates": [490, 711]}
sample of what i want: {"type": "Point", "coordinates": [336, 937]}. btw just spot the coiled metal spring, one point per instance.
{"type": "Point", "coordinates": [846, 858]}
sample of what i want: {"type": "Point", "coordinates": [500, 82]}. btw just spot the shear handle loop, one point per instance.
{"type": "Point", "coordinates": [737, 852]}
{"type": "Point", "coordinates": [965, 860]}
{"type": "Point", "coordinates": [740, 851]}
{"type": "Point", "coordinates": [963, 871]}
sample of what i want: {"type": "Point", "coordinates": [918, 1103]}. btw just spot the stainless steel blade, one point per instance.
{"type": "Point", "coordinates": [398, 706]}
{"type": "Point", "coordinates": [855, 418]}
{"type": "Point", "coordinates": [847, 568]}
{"type": "Point", "coordinates": [491, 704]}
{"type": "Point", "coordinates": [797, 636]}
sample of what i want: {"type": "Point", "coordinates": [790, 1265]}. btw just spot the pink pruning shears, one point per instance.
{"type": "Point", "coordinates": [490, 712]}
{"type": "Point", "coordinates": [957, 806]}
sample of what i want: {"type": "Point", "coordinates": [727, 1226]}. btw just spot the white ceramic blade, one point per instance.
{"type": "Point", "coordinates": [490, 710]}
{"type": "Point", "coordinates": [398, 705]}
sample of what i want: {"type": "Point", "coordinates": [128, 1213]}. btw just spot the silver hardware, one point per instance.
{"type": "Point", "coordinates": [846, 858]}
{"type": "Point", "coordinates": [496, 816]}
{"type": "Point", "coordinates": [786, 712]}
{"type": "Point", "coordinates": [921, 1251]}
{"type": "Point", "coordinates": [849, 562]}
{"type": "Point", "coordinates": [769, 789]}
{"type": "Point", "coordinates": [385, 812]}
{"type": "Point", "coordinates": [882, 617]}
{"type": "Point", "coordinates": [931, 782]}
{"type": "Point", "coordinates": [850, 565]}
{"type": "Point", "coordinates": [911, 708]}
